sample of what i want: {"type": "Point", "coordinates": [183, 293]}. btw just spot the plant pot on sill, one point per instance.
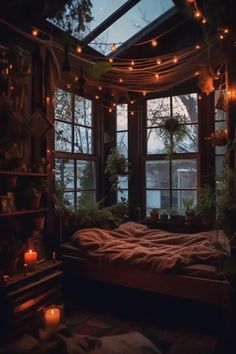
{"type": "Point", "coordinates": [39, 222]}
{"type": "Point", "coordinates": [192, 219]}
{"type": "Point", "coordinates": [154, 215]}
{"type": "Point", "coordinates": [177, 219]}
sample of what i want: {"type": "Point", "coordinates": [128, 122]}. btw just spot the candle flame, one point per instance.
{"type": "Point", "coordinates": [52, 312]}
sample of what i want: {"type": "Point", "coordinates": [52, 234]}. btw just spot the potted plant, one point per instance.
{"type": "Point", "coordinates": [116, 165]}
{"type": "Point", "coordinates": [39, 222]}
{"type": "Point", "coordinates": [190, 211]}
{"type": "Point", "coordinates": [154, 214]}
{"type": "Point", "coordinates": [164, 216]}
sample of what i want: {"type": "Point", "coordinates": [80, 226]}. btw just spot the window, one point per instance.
{"type": "Point", "coordinates": [170, 180]}
{"type": "Point", "coordinates": [122, 146]}
{"type": "Point", "coordinates": [74, 155]}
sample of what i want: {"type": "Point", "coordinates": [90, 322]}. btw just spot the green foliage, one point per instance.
{"type": "Point", "coordinates": [190, 206]}
{"type": "Point", "coordinates": [95, 71]}
{"type": "Point", "coordinates": [206, 205]}
{"type": "Point", "coordinates": [114, 162]}
{"type": "Point", "coordinates": [173, 130]}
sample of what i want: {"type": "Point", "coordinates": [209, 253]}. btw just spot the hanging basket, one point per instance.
{"type": "Point", "coordinates": [218, 138]}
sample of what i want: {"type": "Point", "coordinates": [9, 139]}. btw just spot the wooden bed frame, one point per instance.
{"type": "Point", "coordinates": [216, 292]}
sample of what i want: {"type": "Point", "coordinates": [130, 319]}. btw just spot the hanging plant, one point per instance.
{"type": "Point", "coordinates": [116, 165]}
{"type": "Point", "coordinates": [173, 130]}
{"type": "Point", "coordinates": [218, 138]}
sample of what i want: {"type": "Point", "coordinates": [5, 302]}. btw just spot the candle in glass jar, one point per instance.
{"type": "Point", "coordinates": [30, 258]}
{"type": "Point", "coordinates": [52, 317]}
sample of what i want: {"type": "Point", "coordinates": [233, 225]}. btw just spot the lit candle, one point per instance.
{"type": "Point", "coordinates": [52, 317]}
{"type": "Point", "coordinates": [30, 259]}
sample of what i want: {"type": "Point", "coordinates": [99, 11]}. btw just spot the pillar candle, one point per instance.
{"type": "Point", "coordinates": [52, 317]}
{"type": "Point", "coordinates": [30, 258]}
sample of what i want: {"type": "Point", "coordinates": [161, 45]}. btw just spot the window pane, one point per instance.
{"type": "Point", "coordinates": [85, 197]}
{"type": "Point", "coordinates": [219, 165]}
{"type": "Point", "coordinates": [155, 142]}
{"type": "Point", "coordinates": [63, 135]}
{"type": "Point", "coordinates": [157, 174]}
{"type": "Point", "coordinates": [65, 173]}
{"type": "Point", "coordinates": [190, 141]}
{"type": "Point", "coordinates": [123, 182]}
{"type": "Point", "coordinates": [122, 195]}
{"type": "Point", "coordinates": [122, 143]}
{"type": "Point", "coordinates": [85, 174]}
{"type": "Point", "coordinates": [157, 199]}
{"type": "Point", "coordinates": [83, 111]}
{"type": "Point", "coordinates": [156, 109]}
{"type": "Point", "coordinates": [121, 117]}
{"type": "Point", "coordinates": [63, 105]}
{"type": "Point", "coordinates": [186, 105]}
{"type": "Point", "coordinates": [184, 174]}
{"type": "Point", "coordinates": [83, 140]}
{"type": "Point", "coordinates": [179, 196]}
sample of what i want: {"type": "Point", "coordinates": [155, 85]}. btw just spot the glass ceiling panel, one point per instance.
{"type": "Point", "coordinates": [100, 11]}
{"type": "Point", "coordinates": [130, 23]}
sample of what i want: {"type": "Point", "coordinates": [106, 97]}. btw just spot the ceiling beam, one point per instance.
{"type": "Point", "coordinates": [109, 21]}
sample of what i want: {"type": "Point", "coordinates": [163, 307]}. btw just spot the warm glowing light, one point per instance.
{"type": "Point", "coordinates": [132, 102]}
{"type": "Point", "coordinates": [158, 61]}
{"type": "Point", "coordinates": [197, 46]}
{"type": "Point", "coordinates": [76, 78]}
{"type": "Point", "coordinates": [35, 32]}
{"type": "Point", "coordinates": [131, 68]}
{"type": "Point", "coordinates": [229, 93]}
{"type": "Point", "coordinates": [157, 76]}
{"type": "Point", "coordinates": [110, 60]}
{"type": "Point", "coordinates": [69, 86]}
{"type": "Point", "coordinates": [144, 93]}
{"type": "Point", "coordinates": [100, 88]}
{"type": "Point", "coordinates": [199, 97]}
{"type": "Point", "coordinates": [97, 97]}
{"type": "Point", "coordinates": [47, 99]}
{"type": "Point", "coordinates": [132, 113]}
{"type": "Point", "coordinates": [175, 60]}
{"type": "Point", "coordinates": [132, 62]}
{"type": "Point", "coordinates": [226, 30]}
{"type": "Point", "coordinates": [204, 20]}
{"type": "Point", "coordinates": [113, 48]}
{"type": "Point", "coordinates": [12, 88]}
{"type": "Point", "coordinates": [154, 43]}
{"type": "Point", "coordinates": [221, 36]}
{"type": "Point", "coordinates": [78, 49]}
{"type": "Point", "coordinates": [197, 14]}
{"type": "Point", "coordinates": [197, 73]}
{"type": "Point", "coordinates": [110, 110]}
{"type": "Point", "coordinates": [10, 66]}
{"type": "Point", "coordinates": [189, 1]}
{"type": "Point", "coordinates": [120, 80]}
{"type": "Point", "coordinates": [114, 104]}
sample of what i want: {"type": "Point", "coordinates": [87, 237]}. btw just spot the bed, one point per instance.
{"type": "Point", "coordinates": [180, 265]}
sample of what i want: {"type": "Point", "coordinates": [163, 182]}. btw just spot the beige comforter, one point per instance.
{"type": "Point", "coordinates": [152, 248]}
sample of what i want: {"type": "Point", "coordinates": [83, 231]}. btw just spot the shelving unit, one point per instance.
{"type": "Point", "coordinates": [24, 212]}
{"type": "Point", "coordinates": [29, 174]}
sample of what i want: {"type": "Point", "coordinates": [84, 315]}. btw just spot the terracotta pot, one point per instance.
{"type": "Point", "coordinates": [154, 214]}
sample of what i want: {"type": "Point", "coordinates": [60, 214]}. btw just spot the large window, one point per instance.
{"type": "Point", "coordinates": [122, 146]}
{"type": "Point", "coordinates": [171, 178]}
{"type": "Point", "coordinates": [74, 153]}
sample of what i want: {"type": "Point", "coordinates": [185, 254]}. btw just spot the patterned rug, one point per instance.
{"type": "Point", "coordinates": [168, 341]}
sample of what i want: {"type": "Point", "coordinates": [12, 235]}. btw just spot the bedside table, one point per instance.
{"type": "Point", "coordinates": [28, 294]}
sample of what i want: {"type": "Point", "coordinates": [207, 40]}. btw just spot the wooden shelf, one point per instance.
{"type": "Point", "coordinates": [24, 212]}
{"type": "Point", "coordinates": [30, 174]}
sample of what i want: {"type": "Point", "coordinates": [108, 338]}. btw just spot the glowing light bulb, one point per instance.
{"type": "Point", "coordinates": [199, 97]}
{"type": "Point", "coordinates": [157, 76]}
{"type": "Point", "coordinates": [154, 43]}
{"type": "Point", "coordinates": [131, 68]}
{"type": "Point", "coordinates": [120, 80]}
{"type": "Point", "coordinates": [97, 97]}
{"type": "Point", "coordinates": [197, 73]}
{"type": "Point", "coordinates": [204, 20]}
{"type": "Point", "coordinates": [35, 32]}
{"type": "Point", "coordinates": [132, 113]}
{"type": "Point", "coordinates": [78, 49]}
{"type": "Point", "coordinates": [221, 36]}
{"type": "Point", "coordinates": [226, 30]}
{"type": "Point", "coordinates": [197, 46]}
{"type": "Point", "coordinates": [132, 62]}
{"type": "Point", "coordinates": [100, 88]}
{"type": "Point", "coordinates": [110, 60]}
{"type": "Point", "coordinates": [110, 110]}
{"type": "Point", "coordinates": [158, 61]}
{"type": "Point", "coordinates": [144, 93]}
{"type": "Point", "coordinates": [197, 14]}
{"type": "Point", "coordinates": [175, 60]}
{"type": "Point", "coordinates": [132, 102]}
{"type": "Point", "coordinates": [113, 48]}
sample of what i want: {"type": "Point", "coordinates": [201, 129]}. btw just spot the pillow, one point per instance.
{"type": "Point", "coordinates": [132, 227]}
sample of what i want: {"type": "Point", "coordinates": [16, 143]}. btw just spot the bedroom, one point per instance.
{"type": "Point", "coordinates": [117, 114]}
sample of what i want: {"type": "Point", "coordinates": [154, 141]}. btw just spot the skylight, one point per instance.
{"type": "Point", "coordinates": [130, 23]}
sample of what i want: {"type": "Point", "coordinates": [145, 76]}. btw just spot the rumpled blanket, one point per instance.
{"type": "Point", "coordinates": [64, 342]}
{"type": "Point", "coordinates": [152, 249]}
